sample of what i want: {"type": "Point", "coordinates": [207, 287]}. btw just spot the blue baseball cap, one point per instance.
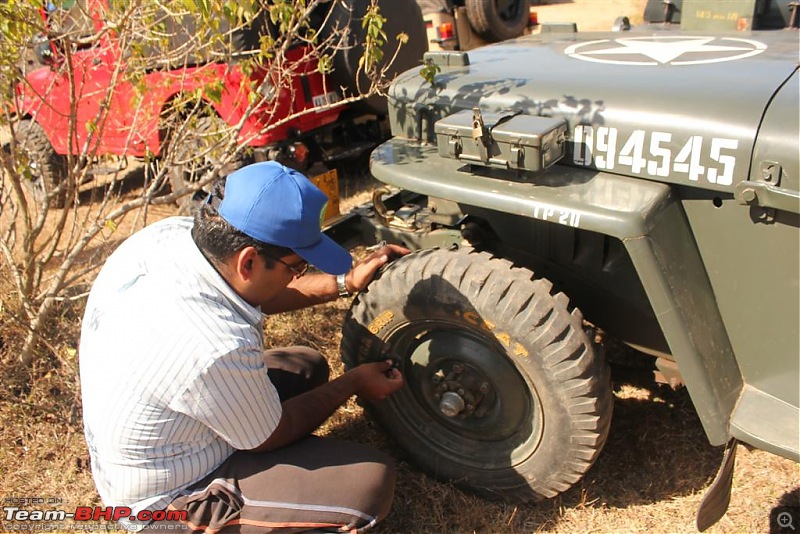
{"type": "Point", "coordinates": [279, 206]}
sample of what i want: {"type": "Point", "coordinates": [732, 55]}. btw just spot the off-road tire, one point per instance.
{"type": "Point", "coordinates": [194, 154]}
{"type": "Point", "coordinates": [498, 20]}
{"type": "Point", "coordinates": [402, 16]}
{"type": "Point", "coordinates": [470, 325]}
{"type": "Point", "coordinates": [47, 168]}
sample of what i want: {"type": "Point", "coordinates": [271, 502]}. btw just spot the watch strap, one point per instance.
{"type": "Point", "coordinates": [341, 285]}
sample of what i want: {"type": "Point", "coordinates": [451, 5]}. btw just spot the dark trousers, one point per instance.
{"type": "Point", "coordinates": [316, 484]}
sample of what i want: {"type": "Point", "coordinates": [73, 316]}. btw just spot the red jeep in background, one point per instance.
{"type": "Point", "coordinates": [113, 117]}
{"type": "Point", "coordinates": [137, 132]}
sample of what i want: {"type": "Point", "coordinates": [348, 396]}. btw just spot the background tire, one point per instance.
{"type": "Point", "coordinates": [401, 16]}
{"type": "Point", "coordinates": [199, 151]}
{"type": "Point", "coordinates": [47, 168]}
{"type": "Point", "coordinates": [504, 393]}
{"type": "Point", "coordinates": [498, 20]}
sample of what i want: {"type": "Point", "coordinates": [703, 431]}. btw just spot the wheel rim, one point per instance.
{"type": "Point", "coordinates": [36, 183]}
{"type": "Point", "coordinates": [194, 171]}
{"type": "Point", "coordinates": [464, 394]}
{"type": "Point", "coordinates": [199, 153]}
{"type": "Point", "coordinates": [508, 9]}
{"type": "Point", "coordinates": [195, 168]}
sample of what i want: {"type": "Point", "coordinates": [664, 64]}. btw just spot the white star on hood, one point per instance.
{"type": "Point", "coordinates": [666, 50]}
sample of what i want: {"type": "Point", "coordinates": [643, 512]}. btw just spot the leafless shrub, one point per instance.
{"type": "Point", "coordinates": [187, 88]}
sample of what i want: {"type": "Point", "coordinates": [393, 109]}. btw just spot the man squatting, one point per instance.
{"type": "Point", "coordinates": [185, 410]}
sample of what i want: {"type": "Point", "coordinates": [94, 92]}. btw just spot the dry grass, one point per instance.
{"type": "Point", "coordinates": [589, 15]}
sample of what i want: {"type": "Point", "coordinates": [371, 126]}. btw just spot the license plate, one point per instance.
{"type": "Point", "coordinates": [331, 97]}
{"type": "Point", "coordinates": [328, 183]}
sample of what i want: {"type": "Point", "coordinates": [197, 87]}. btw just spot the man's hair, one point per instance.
{"type": "Point", "coordinates": [218, 240]}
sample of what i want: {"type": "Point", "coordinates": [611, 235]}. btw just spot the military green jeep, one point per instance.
{"type": "Point", "coordinates": [648, 179]}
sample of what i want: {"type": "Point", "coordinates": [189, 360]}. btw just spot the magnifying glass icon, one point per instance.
{"type": "Point", "coordinates": [785, 520]}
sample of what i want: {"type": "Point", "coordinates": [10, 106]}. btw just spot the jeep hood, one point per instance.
{"type": "Point", "coordinates": [671, 107]}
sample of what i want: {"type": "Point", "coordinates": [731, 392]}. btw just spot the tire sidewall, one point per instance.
{"type": "Point", "coordinates": [377, 318]}
{"type": "Point", "coordinates": [52, 167]}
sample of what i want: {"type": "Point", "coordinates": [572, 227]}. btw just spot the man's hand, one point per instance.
{"type": "Point", "coordinates": [302, 414]}
{"type": "Point", "coordinates": [361, 275]}
{"type": "Point", "coordinates": [377, 380]}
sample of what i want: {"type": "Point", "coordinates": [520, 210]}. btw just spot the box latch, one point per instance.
{"type": "Point", "coordinates": [454, 146]}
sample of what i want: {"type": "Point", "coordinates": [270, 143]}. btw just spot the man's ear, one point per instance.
{"type": "Point", "coordinates": [246, 260]}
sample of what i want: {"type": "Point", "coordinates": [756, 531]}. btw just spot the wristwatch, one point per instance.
{"type": "Point", "coordinates": [342, 286]}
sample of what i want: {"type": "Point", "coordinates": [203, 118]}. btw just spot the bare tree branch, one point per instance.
{"type": "Point", "coordinates": [168, 67]}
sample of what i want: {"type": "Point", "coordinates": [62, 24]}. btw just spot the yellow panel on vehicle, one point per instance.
{"type": "Point", "coordinates": [328, 182]}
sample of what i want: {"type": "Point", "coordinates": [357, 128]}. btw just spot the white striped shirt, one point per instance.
{"type": "Point", "coordinates": [172, 375]}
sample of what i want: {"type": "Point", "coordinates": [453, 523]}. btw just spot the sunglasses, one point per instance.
{"type": "Point", "coordinates": [299, 270]}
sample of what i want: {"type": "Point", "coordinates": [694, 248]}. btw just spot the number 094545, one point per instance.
{"type": "Point", "coordinates": [653, 153]}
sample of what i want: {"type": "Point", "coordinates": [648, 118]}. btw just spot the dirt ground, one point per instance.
{"type": "Point", "coordinates": [589, 15]}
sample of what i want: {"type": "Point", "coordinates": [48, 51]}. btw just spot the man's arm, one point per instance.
{"type": "Point", "coordinates": [305, 413]}
{"type": "Point", "coordinates": [318, 288]}
{"type": "Point", "coordinates": [303, 292]}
